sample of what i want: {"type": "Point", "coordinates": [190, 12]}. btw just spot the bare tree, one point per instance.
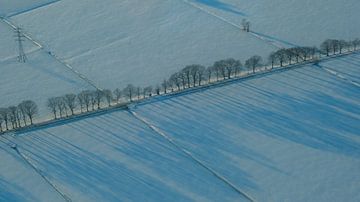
{"type": "Point", "coordinates": [200, 74]}
{"type": "Point", "coordinates": [1, 123]}
{"type": "Point", "coordinates": [175, 80]}
{"type": "Point", "coordinates": [220, 69]}
{"type": "Point", "coordinates": [209, 72]}
{"type": "Point", "coordinates": [61, 105]}
{"type": "Point", "coordinates": [52, 105]}
{"type": "Point", "coordinates": [138, 92]}
{"type": "Point", "coordinates": [342, 44]}
{"type": "Point", "coordinates": [194, 72]}
{"type": "Point", "coordinates": [355, 43]}
{"type": "Point", "coordinates": [281, 56]}
{"type": "Point", "coordinates": [187, 73]}
{"type": "Point", "coordinates": [108, 96]}
{"type": "Point", "coordinates": [157, 90]}
{"type": "Point", "coordinates": [21, 108]}
{"type": "Point", "coordinates": [98, 96]}
{"type": "Point", "coordinates": [326, 46]}
{"type": "Point", "coordinates": [129, 91]}
{"type": "Point", "coordinates": [12, 116]}
{"type": "Point", "coordinates": [18, 116]}
{"type": "Point", "coordinates": [272, 59]}
{"type": "Point", "coordinates": [253, 62]}
{"type": "Point", "coordinates": [165, 84]}
{"type": "Point", "coordinates": [148, 90]}
{"type": "Point", "coordinates": [335, 45]}
{"type": "Point", "coordinates": [232, 65]}
{"type": "Point", "coordinates": [117, 94]}
{"type": "Point", "coordinates": [31, 109]}
{"type": "Point", "coordinates": [70, 100]}
{"type": "Point", "coordinates": [4, 113]}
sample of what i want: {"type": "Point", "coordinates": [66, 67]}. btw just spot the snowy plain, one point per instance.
{"type": "Point", "coordinates": [291, 22]}
{"type": "Point", "coordinates": [290, 136]}
{"type": "Point", "coordinates": [286, 136]}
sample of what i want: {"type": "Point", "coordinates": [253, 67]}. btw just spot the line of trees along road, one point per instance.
{"type": "Point", "coordinates": [194, 75]}
{"type": "Point", "coordinates": [18, 116]}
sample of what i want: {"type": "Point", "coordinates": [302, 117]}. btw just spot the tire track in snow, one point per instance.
{"type": "Point", "coordinates": [41, 47]}
{"type": "Point", "coordinates": [35, 168]}
{"type": "Point", "coordinates": [268, 41]}
{"type": "Point", "coordinates": [190, 155]}
{"type": "Point", "coordinates": [338, 75]}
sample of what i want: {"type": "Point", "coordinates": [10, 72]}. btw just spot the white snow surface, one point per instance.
{"type": "Point", "coordinates": [292, 136]}
{"type": "Point", "coordinates": [114, 157]}
{"type": "Point", "coordinates": [287, 136]}
{"type": "Point", "coordinates": [292, 22]}
{"type": "Point", "coordinates": [117, 42]}
{"type": "Point", "coordinates": [15, 7]}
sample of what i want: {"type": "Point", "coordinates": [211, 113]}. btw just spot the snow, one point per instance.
{"type": "Point", "coordinates": [292, 136]}
{"type": "Point", "coordinates": [287, 136]}
{"type": "Point", "coordinates": [292, 22]}
{"type": "Point", "coordinates": [114, 157]}
{"type": "Point", "coordinates": [116, 42]}
{"type": "Point", "coordinates": [18, 182]}
{"type": "Point", "coordinates": [40, 78]}
{"type": "Point", "coordinates": [347, 67]}
{"type": "Point", "coordinates": [13, 7]}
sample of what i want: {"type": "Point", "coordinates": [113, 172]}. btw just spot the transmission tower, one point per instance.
{"type": "Point", "coordinates": [20, 38]}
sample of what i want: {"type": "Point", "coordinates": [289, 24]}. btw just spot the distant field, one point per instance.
{"type": "Point", "coordinates": [142, 42]}
{"type": "Point", "coordinates": [292, 22]}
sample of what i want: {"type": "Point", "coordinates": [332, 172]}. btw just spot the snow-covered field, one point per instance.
{"type": "Point", "coordinates": [40, 78]}
{"type": "Point", "coordinates": [113, 157]}
{"type": "Point", "coordinates": [116, 42]}
{"type": "Point", "coordinates": [292, 136]}
{"type": "Point", "coordinates": [291, 22]}
{"type": "Point", "coordinates": [288, 136]}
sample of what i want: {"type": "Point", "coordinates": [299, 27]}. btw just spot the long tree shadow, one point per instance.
{"type": "Point", "coordinates": [222, 6]}
{"type": "Point", "coordinates": [14, 193]}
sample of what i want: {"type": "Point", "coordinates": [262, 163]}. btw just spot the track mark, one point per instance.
{"type": "Point", "coordinates": [191, 156]}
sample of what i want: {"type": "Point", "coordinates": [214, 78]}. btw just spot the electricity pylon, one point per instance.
{"type": "Point", "coordinates": [20, 38]}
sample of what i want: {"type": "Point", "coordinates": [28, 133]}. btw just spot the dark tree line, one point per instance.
{"type": "Point", "coordinates": [193, 76]}
{"type": "Point", "coordinates": [14, 117]}
{"type": "Point", "coordinates": [334, 46]}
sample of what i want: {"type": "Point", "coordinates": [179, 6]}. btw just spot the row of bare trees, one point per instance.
{"type": "Point", "coordinates": [334, 46]}
{"type": "Point", "coordinates": [190, 76]}
{"type": "Point", "coordinates": [64, 106]}
{"type": "Point", "coordinates": [14, 117]}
